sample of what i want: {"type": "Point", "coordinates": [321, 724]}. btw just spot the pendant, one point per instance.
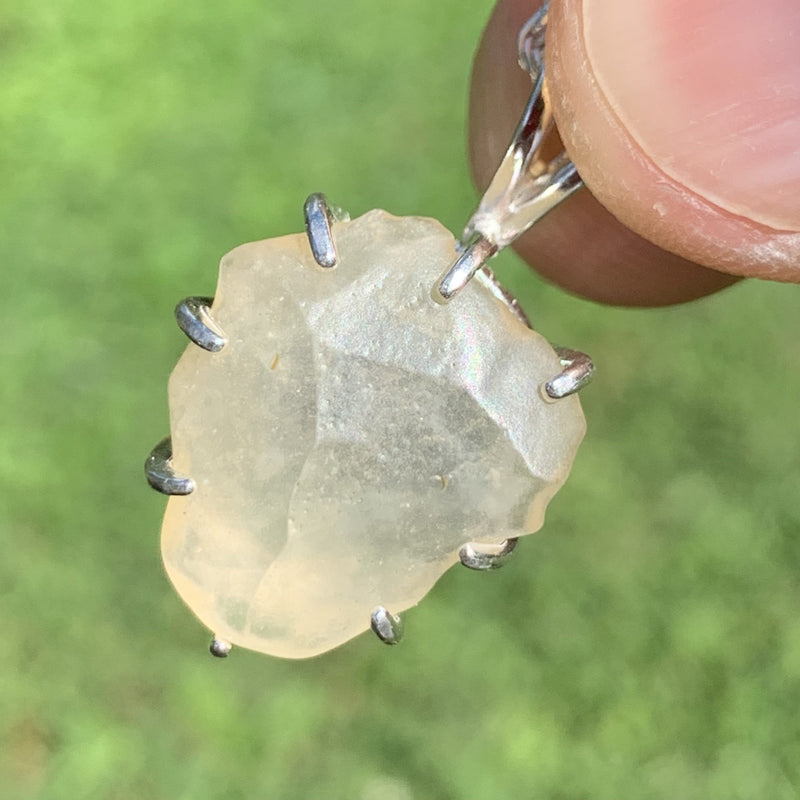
{"type": "Point", "coordinates": [343, 433]}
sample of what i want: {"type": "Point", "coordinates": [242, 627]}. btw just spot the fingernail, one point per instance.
{"type": "Point", "coordinates": [710, 90]}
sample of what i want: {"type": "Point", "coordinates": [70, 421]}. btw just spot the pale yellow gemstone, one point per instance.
{"type": "Point", "coordinates": [352, 436]}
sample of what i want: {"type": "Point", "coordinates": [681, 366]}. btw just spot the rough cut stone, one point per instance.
{"type": "Point", "coordinates": [352, 436]}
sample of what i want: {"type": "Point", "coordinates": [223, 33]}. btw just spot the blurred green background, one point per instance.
{"type": "Point", "coordinates": [646, 644]}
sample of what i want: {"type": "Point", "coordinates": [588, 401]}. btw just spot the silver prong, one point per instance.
{"type": "Point", "coordinates": [486, 556]}
{"type": "Point", "coordinates": [578, 371]}
{"type": "Point", "coordinates": [318, 229]}
{"type": "Point", "coordinates": [219, 648]}
{"type": "Point", "coordinates": [195, 320]}
{"type": "Point", "coordinates": [455, 278]}
{"type": "Point", "coordinates": [160, 474]}
{"type": "Point", "coordinates": [388, 627]}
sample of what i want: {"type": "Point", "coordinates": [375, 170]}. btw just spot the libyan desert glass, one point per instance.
{"type": "Point", "coordinates": [351, 435]}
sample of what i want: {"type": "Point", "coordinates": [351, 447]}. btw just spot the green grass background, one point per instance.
{"type": "Point", "coordinates": [646, 644]}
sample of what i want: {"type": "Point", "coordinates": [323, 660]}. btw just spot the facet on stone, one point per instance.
{"type": "Point", "coordinates": [352, 435]}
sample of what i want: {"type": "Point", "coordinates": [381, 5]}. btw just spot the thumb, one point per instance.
{"type": "Point", "coordinates": [683, 118]}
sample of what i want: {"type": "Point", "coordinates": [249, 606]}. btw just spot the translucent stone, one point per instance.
{"type": "Point", "coordinates": [352, 436]}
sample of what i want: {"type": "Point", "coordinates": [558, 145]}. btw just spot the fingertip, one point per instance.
{"type": "Point", "coordinates": [580, 245]}
{"type": "Point", "coordinates": [642, 112]}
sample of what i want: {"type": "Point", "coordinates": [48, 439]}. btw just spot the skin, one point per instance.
{"type": "Point", "coordinates": [683, 118]}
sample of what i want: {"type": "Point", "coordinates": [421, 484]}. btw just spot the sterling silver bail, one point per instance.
{"type": "Point", "coordinates": [525, 186]}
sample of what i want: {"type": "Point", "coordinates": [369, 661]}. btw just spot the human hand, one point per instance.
{"type": "Point", "coordinates": [683, 119]}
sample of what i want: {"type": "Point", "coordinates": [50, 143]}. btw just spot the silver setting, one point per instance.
{"type": "Point", "coordinates": [160, 474]}
{"type": "Point", "coordinates": [526, 185]}
{"type": "Point", "coordinates": [194, 319]}
{"type": "Point", "coordinates": [387, 627]}
{"type": "Point", "coordinates": [578, 371]}
{"type": "Point", "coordinates": [319, 220]}
{"type": "Point", "coordinates": [220, 648]}
{"type": "Point", "coordinates": [486, 556]}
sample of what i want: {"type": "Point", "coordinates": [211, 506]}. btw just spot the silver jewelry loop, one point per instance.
{"type": "Point", "coordinates": [525, 186]}
{"type": "Point", "coordinates": [530, 42]}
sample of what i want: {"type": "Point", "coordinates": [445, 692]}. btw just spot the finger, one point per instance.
{"type": "Point", "coordinates": [683, 118]}
{"type": "Point", "coordinates": [579, 245]}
